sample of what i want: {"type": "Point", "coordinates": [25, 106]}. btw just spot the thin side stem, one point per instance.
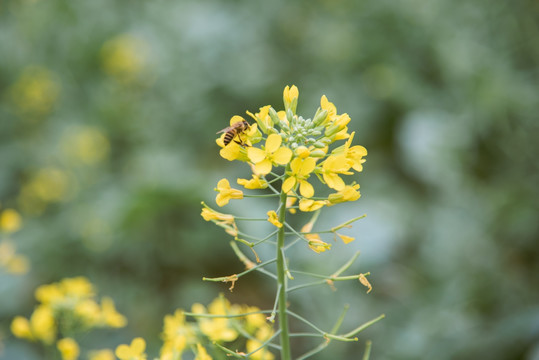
{"type": "Point", "coordinates": [281, 281]}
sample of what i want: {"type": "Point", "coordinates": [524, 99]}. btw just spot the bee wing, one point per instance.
{"type": "Point", "coordinates": [225, 129]}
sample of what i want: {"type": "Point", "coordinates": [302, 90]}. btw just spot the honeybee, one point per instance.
{"type": "Point", "coordinates": [234, 130]}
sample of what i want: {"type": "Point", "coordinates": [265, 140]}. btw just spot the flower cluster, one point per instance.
{"type": "Point", "coordinates": [302, 147]}
{"type": "Point", "coordinates": [220, 324]}
{"type": "Point", "coordinates": [11, 222]}
{"type": "Point", "coordinates": [66, 307]}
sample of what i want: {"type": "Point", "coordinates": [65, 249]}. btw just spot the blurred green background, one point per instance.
{"type": "Point", "coordinates": [108, 115]}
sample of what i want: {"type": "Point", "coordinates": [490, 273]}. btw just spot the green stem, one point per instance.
{"type": "Point", "coordinates": [281, 281]}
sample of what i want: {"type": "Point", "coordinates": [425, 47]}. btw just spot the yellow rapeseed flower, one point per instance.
{"type": "Point", "coordinates": [43, 324]}
{"type": "Point", "coordinates": [111, 317]}
{"type": "Point", "coordinates": [254, 183]}
{"type": "Point", "coordinates": [348, 193]}
{"type": "Point", "coordinates": [262, 118]}
{"type": "Point", "coordinates": [79, 287]}
{"type": "Point", "coordinates": [49, 294]}
{"type": "Point", "coordinates": [332, 167]}
{"type": "Point", "coordinates": [290, 97]}
{"type": "Point", "coordinates": [226, 193]}
{"type": "Point", "coordinates": [35, 92]}
{"type": "Point", "coordinates": [274, 219]}
{"type": "Point", "coordinates": [306, 205]}
{"type": "Point", "coordinates": [316, 244]}
{"type": "Point", "coordinates": [104, 354]}
{"type": "Point", "coordinates": [177, 334]}
{"type": "Point", "coordinates": [300, 172]}
{"type": "Point", "coordinates": [202, 354]}
{"type": "Point", "coordinates": [10, 221]}
{"type": "Point", "coordinates": [88, 311]}
{"type": "Point", "coordinates": [20, 327]}
{"type": "Point", "coordinates": [135, 351]}
{"type": "Point", "coordinates": [272, 154]}
{"type": "Point", "coordinates": [346, 239]}
{"type": "Point", "coordinates": [69, 349]}
{"type": "Point", "coordinates": [216, 329]}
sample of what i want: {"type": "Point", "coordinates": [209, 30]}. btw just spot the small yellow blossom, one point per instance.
{"type": "Point", "coordinates": [86, 145]}
{"type": "Point", "coordinates": [263, 118]}
{"type": "Point", "coordinates": [35, 92]}
{"type": "Point", "coordinates": [226, 193]}
{"type": "Point", "coordinates": [272, 154]}
{"type": "Point", "coordinates": [69, 349]}
{"type": "Point", "coordinates": [302, 152]}
{"type": "Point", "coordinates": [124, 57]}
{"type": "Point", "coordinates": [216, 329]}
{"type": "Point", "coordinates": [316, 244]}
{"type": "Point", "coordinates": [135, 351]}
{"type": "Point", "coordinates": [274, 219]}
{"type": "Point", "coordinates": [306, 205]}
{"type": "Point", "coordinates": [332, 167]}
{"type": "Point", "coordinates": [111, 317]}
{"type": "Point", "coordinates": [290, 97]}
{"type": "Point", "coordinates": [105, 354]}
{"type": "Point", "coordinates": [348, 193]}
{"type": "Point", "coordinates": [11, 261]}
{"type": "Point", "coordinates": [10, 221]}
{"type": "Point", "coordinates": [202, 354]}
{"type": "Point", "coordinates": [79, 287]}
{"type": "Point", "coordinates": [300, 172]}
{"type": "Point", "coordinates": [254, 183]}
{"type": "Point", "coordinates": [49, 294]}
{"type": "Point", "coordinates": [234, 151]}
{"type": "Point", "coordinates": [20, 327]}
{"type": "Point", "coordinates": [43, 324]}
{"type": "Point", "coordinates": [88, 311]}
{"type": "Point", "coordinates": [226, 221]}
{"type": "Point", "coordinates": [177, 334]}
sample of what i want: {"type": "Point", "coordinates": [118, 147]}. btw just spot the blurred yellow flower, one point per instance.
{"type": "Point", "coordinates": [20, 327]}
{"type": "Point", "coordinates": [216, 329]}
{"type": "Point", "coordinates": [111, 317]}
{"type": "Point", "coordinates": [135, 351]}
{"type": "Point", "coordinates": [177, 334]}
{"type": "Point", "coordinates": [274, 219]}
{"type": "Point", "coordinates": [35, 92]}
{"type": "Point", "coordinates": [124, 57]}
{"type": "Point", "coordinates": [78, 287]}
{"type": "Point", "coordinates": [263, 334]}
{"type": "Point", "coordinates": [226, 193]}
{"type": "Point", "coordinates": [10, 221]}
{"type": "Point", "coordinates": [69, 349]}
{"type": "Point", "coordinates": [105, 354]}
{"type": "Point", "coordinates": [88, 311]}
{"type": "Point", "coordinates": [43, 324]}
{"type": "Point", "coordinates": [11, 261]}
{"type": "Point", "coordinates": [272, 154]}
{"type": "Point", "coordinates": [202, 354]}
{"type": "Point", "coordinates": [86, 145]}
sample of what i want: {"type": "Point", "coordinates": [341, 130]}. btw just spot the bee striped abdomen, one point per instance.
{"type": "Point", "coordinates": [228, 137]}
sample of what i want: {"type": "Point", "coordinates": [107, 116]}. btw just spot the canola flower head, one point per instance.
{"type": "Point", "coordinates": [69, 349]}
{"type": "Point", "coordinates": [134, 351]}
{"type": "Point", "coordinates": [226, 193]}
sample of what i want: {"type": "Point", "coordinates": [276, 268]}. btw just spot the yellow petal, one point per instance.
{"type": "Point", "coordinates": [306, 189]}
{"type": "Point", "coordinates": [235, 119]}
{"type": "Point", "coordinates": [123, 351]}
{"type": "Point", "coordinates": [334, 181]}
{"type": "Point", "coordinates": [263, 167]}
{"type": "Point", "coordinates": [288, 184]}
{"type": "Point", "coordinates": [256, 155]}
{"type": "Point", "coordinates": [138, 345]}
{"type": "Point", "coordinates": [295, 165]}
{"type": "Point", "coordinates": [282, 156]}
{"type": "Point", "coordinates": [307, 166]}
{"type": "Point", "coordinates": [273, 143]}
{"type": "Point", "coordinates": [223, 184]}
{"type": "Point", "coordinates": [222, 200]}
